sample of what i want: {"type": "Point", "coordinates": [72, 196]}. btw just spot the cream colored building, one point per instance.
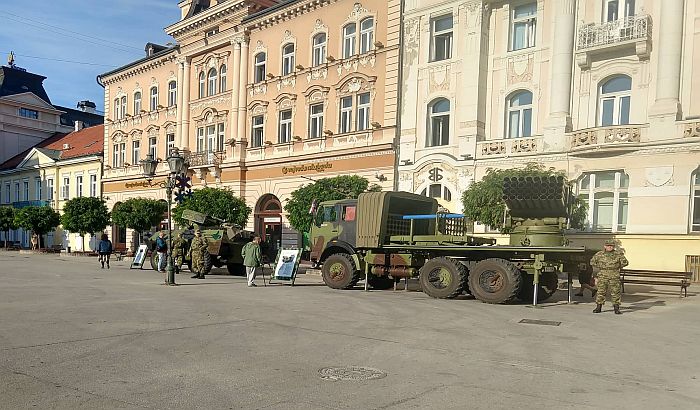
{"type": "Point", "coordinates": [601, 89]}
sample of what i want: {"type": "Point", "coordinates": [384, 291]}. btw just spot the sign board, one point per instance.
{"type": "Point", "coordinates": [140, 257]}
{"type": "Point", "coordinates": [287, 265]}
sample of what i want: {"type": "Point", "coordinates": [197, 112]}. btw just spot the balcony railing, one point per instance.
{"type": "Point", "coordinates": [608, 136]}
{"type": "Point", "coordinates": [509, 147]}
{"type": "Point", "coordinates": [205, 158]}
{"type": "Point", "coordinates": [612, 32]}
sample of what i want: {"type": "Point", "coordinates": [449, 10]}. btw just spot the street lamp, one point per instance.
{"type": "Point", "coordinates": [178, 166]}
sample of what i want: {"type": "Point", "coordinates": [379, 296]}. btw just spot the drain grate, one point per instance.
{"type": "Point", "coordinates": [350, 373]}
{"type": "Point", "coordinates": [540, 322]}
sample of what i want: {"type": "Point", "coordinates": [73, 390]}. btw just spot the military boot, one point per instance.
{"type": "Point", "coordinates": [616, 308]}
{"type": "Point", "coordinates": [598, 308]}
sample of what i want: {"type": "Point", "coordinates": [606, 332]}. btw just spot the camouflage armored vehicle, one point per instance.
{"type": "Point", "coordinates": [391, 235]}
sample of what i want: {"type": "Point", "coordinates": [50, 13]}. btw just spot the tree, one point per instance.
{"type": "Point", "coordinates": [85, 215]}
{"type": "Point", "coordinates": [483, 201]}
{"type": "Point", "coordinates": [139, 214]}
{"type": "Point", "coordinates": [326, 189]}
{"type": "Point", "coordinates": [216, 202]}
{"type": "Point", "coordinates": [7, 221]}
{"type": "Point", "coordinates": [38, 219]}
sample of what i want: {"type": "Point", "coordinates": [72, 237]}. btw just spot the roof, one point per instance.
{"type": "Point", "coordinates": [88, 141]}
{"type": "Point", "coordinates": [139, 61]}
{"type": "Point", "coordinates": [18, 81]}
{"type": "Point", "coordinates": [72, 115]}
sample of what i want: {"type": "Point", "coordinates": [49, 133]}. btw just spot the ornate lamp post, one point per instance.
{"type": "Point", "coordinates": [178, 166]}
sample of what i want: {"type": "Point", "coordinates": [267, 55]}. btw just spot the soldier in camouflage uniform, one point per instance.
{"type": "Point", "coordinates": [179, 252]}
{"type": "Point", "coordinates": [609, 262]}
{"type": "Point", "coordinates": [199, 248]}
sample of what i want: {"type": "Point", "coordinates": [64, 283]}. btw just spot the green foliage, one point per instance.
{"type": "Point", "coordinates": [85, 214]}
{"type": "Point", "coordinates": [7, 220]}
{"type": "Point", "coordinates": [38, 219]}
{"type": "Point", "coordinates": [483, 201]}
{"type": "Point", "coordinates": [326, 189]}
{"type": "Point", "coordinates": [139, 214]}
{"type": "Point", "coordinates": [216, 202]}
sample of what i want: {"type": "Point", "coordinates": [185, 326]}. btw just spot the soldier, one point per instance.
{"type": "Point", "coordinates": [178, 252]}
{"type": "Point", "coordinates": [252, 259]}
{"type": "Point", "coordinates": [199, 248]}
{"type": "Point", "coordinates": [609, 262]}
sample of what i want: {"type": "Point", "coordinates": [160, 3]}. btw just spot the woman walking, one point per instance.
{"type": "Point", "coordinates": [104, 249]}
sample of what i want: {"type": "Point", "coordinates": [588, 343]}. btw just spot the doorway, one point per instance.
{"type": "Point", "coordinates": [268, 224]}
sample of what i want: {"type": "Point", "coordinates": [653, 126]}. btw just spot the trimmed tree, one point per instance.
{"type": "Point", "coordinates": [325, 189]}
{"type": "Point", "coordinates": [85, 215]}
{"type": "Point", "coordinates": [216, 202]}
{"type": "Point", "coordinates": [139, 214]}
{"type": "Point", "coordinates": [483, 200]}
{"type": "Point", "coordinates": [38, 219]}
{"type": "Point", "coordinates": [7, 221]}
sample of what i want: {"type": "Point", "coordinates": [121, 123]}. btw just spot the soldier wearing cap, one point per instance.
{"type": "Point", "coordinates": [609, 262]}
{"type": "Point", "coordinates": [199, 249]}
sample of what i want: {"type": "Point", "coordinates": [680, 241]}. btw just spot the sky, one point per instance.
{"type": "Point", "coordinates": [96, 36]}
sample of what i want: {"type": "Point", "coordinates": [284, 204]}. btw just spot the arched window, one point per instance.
{"type": "Point", "coordinates": [287, 59]}
{"type": "Point", "coordinates": [519, 117]}
{"type": "Point", "coordinates": [137, 103]}
{"type": "Point", "coordinates": [614, 101]}
{"type": "Point", "coordinates": [154, 98]}
{"type": "Point", "coordinates": [319, 49]}
{"type": "Point", "coordinates": [438, 191]}
{"type": "Point", "coordinates": [438, 123]}
{"type": "Point", "coordinates": [202, 84]}
{"type": "Point", "coordinates": [172, 93]}
{"type": "Point", "coordinates": [349, 34]}
{"type": "Point", "coordinates": [366, 35]}
{"type": "Point", "coordinates": [222, 78]}
{"type": "Point", "coordinates": [123, 109]}
{"type": "Point", "coordinates": [259, 69]}
{"type": "Point", "coordinates": [212, 81]}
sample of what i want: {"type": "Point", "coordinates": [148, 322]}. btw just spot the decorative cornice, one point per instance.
{"type": "Point", "coordinates": [144, 67]}
{"type": "Point", "coordinates": [284, 14]}
{"type": "Point", "coordinates": [198, 21]}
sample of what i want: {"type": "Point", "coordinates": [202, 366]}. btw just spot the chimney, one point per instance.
{"type": "Point", "coordinates": [78, 125]}
{"type": "Point", "coordinates": [87, 106]}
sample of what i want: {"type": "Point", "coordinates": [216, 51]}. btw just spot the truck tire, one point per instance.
{"type": "Point", "coordinates": [549, 282]}
{"type": "Point", "coordinates": [443, 278]}
{"type": "Point", "coordinates": [381, 282]}
{"type": "Point", "coordinates": [339, 271]}
{"type": "Point", "coordinates": [154, 261]}
{"type": "Point", "coordinates": [236, 269]}
{"type": "Point", "coordinates": [495, 280]}
{"type": "Point", "coordinates": [208, 263]}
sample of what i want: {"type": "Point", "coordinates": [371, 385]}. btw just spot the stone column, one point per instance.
{"type": "Point", "coordinates": [236, 87]}
{"type": "Point", "coordinates": [670, 48]}
{"type": "Point", "coordinates": [243, 90]}
{"type": "Point", "coordinates": [180, 105]}
{"type": "Point", "coordinates": [185, 132]}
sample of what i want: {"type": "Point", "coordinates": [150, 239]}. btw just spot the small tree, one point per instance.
{"type": "Point", "coordinates": [38, 219]}
{"type": "Point", "coordinates": [483, 200]}
{"type": "Point", "coordinates": [139, 214]}
{"type": "Point", "coordinates": [215, 202]}
{"type": "Point", "coordinates": [7, 221]}
{"type": "Point", "coordinates": [326, 189]}
{"type": "Point", "coordinates": [85, 215]}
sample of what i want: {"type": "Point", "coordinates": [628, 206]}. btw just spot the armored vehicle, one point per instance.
{"type": "Point", "coordinates": [386, 236]}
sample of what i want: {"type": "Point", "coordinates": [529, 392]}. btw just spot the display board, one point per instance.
{"type": "Point", "coordinates": [139, 258]}
{"type": "Point", "coordinates": [287, 265]}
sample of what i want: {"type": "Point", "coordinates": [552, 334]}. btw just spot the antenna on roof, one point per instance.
{"type": "Point", "coordinates": [11, 59]}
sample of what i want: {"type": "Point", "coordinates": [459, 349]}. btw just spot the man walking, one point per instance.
{"type": "Point", "coordinates": [252, 259]}
{"type": "Point", "coordinates": [609, 262]}
{"type": "Point", "coordinates": [199, 250]}
{"type": "Point", "coordinates": [162, 249]}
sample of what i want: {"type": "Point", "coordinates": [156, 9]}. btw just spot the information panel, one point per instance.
{"type": "Point", "coordinates": [287, 265]}
{"type": "Point", "coordinates": [139, 258]}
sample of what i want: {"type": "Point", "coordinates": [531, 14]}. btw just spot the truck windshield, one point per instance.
{"type": "Point", "coordinates": [326, 214]}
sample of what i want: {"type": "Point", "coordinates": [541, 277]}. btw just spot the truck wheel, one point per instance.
{"type": "Point", "coordinates": [339, 271]}
{"type": "Point", "coordinates": [549, 282]}
{"type": "Point", "coordinates": [495, 281]}
{"type": "Point", "coordinates": [443, 278]}
{"type": "Point", "coordinates": [236, 269]}
{"type": "Point", "coordinates": [208, 263]}
{"type": "Point", "coordinates": [381, 282]}
{"type": "Point", "coordinates": [154, 261]}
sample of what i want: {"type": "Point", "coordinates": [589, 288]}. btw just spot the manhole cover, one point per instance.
{"type": "Point", "coordinates": [351, 373]}
{"type": "Point", "coordinates": [540, 322]}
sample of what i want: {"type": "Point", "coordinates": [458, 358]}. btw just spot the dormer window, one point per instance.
{"type": "Point", "coordinates": [27, 113]}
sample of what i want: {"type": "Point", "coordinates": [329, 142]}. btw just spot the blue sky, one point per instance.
{"type": "Point", "coordinates": [105, 34]}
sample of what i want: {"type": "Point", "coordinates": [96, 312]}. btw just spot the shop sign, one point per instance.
{"type": "Point", "coordinates": [318, 167]}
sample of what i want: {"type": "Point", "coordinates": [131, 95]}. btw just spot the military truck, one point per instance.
{"type": "Point", "coordinates": [386, 236]}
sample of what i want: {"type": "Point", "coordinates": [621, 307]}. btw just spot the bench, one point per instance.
{"type": "Point", "coordinates": [654, 277]}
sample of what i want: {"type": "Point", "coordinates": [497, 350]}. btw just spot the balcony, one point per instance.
{"type": "Point", "coordinates": [203, 159]}
{"type": "Point", "coordinates": [632, 33]}
{"type": "Point", "coordinates": [619, 137]}
{"type": "Point", "coordinates": [504, 148]}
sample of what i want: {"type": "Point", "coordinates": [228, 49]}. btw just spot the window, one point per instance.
{"type": "Point", "coordinates": [605, 194]}
{"type": "Point", "coordinates": [438, 191]}
{"type": "Point", "coordinates": [220, 138]}
{"type": "Point", "coordinates": [345, 115]}
{"type": "Point", "coordinates": [319, 49]}
{"type": "Point", "coordinates": [259, 69]}
{"type": "Point", "coordinates": [137, 103]}
{"type": "Point", "coordinates": [614, 102]}
{"type": "Point", "coordinates": [288, 59]}
{"type": "Point", "coordinates": [349, 40]}
{"type": "Point", "coordinates": [200, 140]}
{"type": "Point", "coordinates": [211, 86]}
{"type": "Point", "coordinates": [25, 186]}
{"type": "Point", "coordinates": [115, 156]}
{"type": "Point", "coordinates": [117, 106]}
{"type": "Point", "coordinates": [17, 192]}
{"type": "Point", "coordinates": [65, 189]}
{"type": "Point", "coordinates": [122, 153]}
{"type": "Point", "coordinates": [258, 130]}
{"type": "Point", "coordinates": [170, 143]}
{"type": "Point", "coordinates": [285, 127]}
{"type": "Point", "coordinates": [122, 112]}
{"type": "Point", "coordinates": [614, 9]}
{"type": "Point", "coordinates": [519, 123]}
{"type": "Point", "coordinates": [363, 111]}
{"type": "Point", "coordinates": [315, 120]}
{"type": "Point", "coordinates": [441, 38]}
{"type": "Point", "coordinates": [27, 113]}
{"type": "Point", "coordinates": [202, 84]}
{"type": "Point", "coordinates": [153, 147]}
{"type": "Point", "coordinates": [523, 23]}
{"type": "Point", "coordinates": [349, 213]}
{"type": "Point", "coordinates": [222, 78]}
{"type": "Point", "coordinates": [439, 123]}
{"type": "Point", "coordinates": [172, 93]}
{"type": "Point", "coordinates": [695, 206]}
{"type": "Point", "coordinates": [135, 152]}
{"type": "Point", "coordinates": [49, 189]}
{"type": "Point", "coordinates": [366, 35]}
{"type": "Point", "coordinates": [211, 138]}
{"type": "Point", "coordinates": [154, 98]}
{"type": "Point", "coordinates": [37, 189]}
{"type": "Point", "coordinates": [93, 185]}
{"type": "Point", "coordinates": [79, 185]}
{"type": "Point", "coordinates": [326, 214]}
{"type": "Point", "coordinates": [7, 193]}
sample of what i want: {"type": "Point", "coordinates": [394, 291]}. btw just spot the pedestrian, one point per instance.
{"type": "Point", "coordinates": [162, 249]}
{"type": "Point", "coordinates": [179, 251]}
{"type": "Point", "coordinates": [252, 259]}
{"type": "Point", "coordinates": [104, 250]}
{"type": "Point", "coordinates": [609, 262]}
{"type": "Point", "coordinates": [585, 279]}
{"type": "Point", "coordinates": [199, 252]}
{"type": "Point", "coordinates": [35, 241]}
